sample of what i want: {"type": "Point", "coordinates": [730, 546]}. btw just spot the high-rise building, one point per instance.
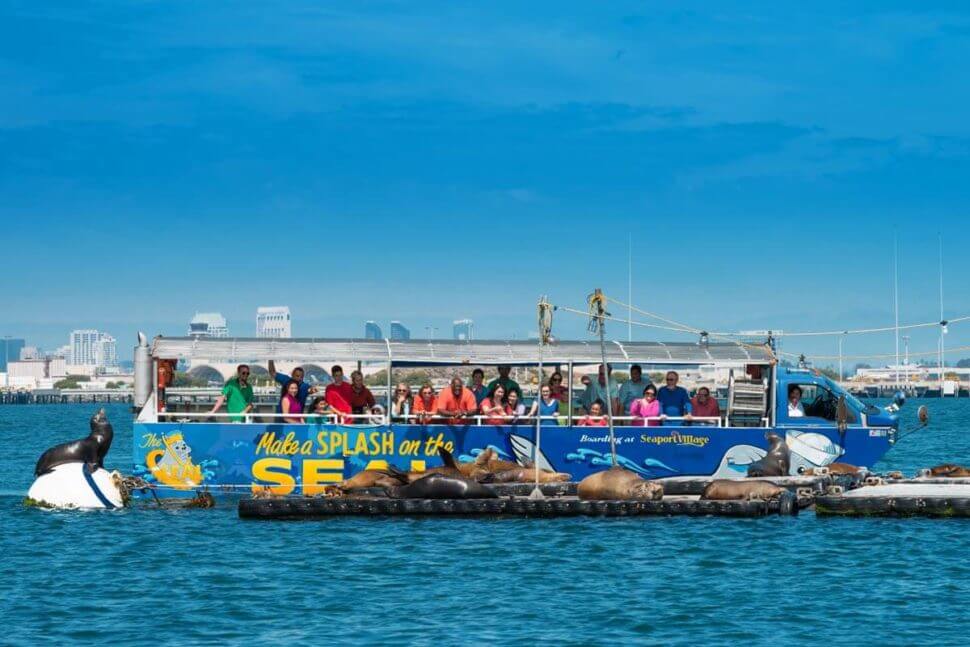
{"type": "Point", "coordinates": [372, 330]}
{"type": "Point", "coordinates": [273, 321]}
{"type": "Point", "coordinates": [30, 352]}
{"type": "Point", "coordinates": [462, 329]}
{"type": "Point", "coordinates": [93, 348]}
{"type": "Point", "coordinates": [9, 351]}
{"type": "Point", "coordinates": [399, 332]}
{"type": "Point", "coordinates": [208, 324]}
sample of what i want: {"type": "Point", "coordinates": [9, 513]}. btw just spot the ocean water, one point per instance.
{"type": "Point", "coordinates": [143, 576]}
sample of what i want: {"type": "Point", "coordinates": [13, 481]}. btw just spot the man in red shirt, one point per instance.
{"type": "Point", "coordinates": [339, 393]}
{"type": "Point", "coordinates": [703, 405]}
{"type": "Point", "coordinates": [457, 403]}
{"type": "Point", "coordinates": [361, 399]}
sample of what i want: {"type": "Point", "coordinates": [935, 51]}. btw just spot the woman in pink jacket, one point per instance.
{"type": "Point", "coordinates": [646, 407]}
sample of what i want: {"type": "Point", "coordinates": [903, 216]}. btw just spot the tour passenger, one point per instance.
{"type": "Point", "coordinates": [596, 390]}
{"type": "Point", "coordinates": [595, 418]}
{"type": "Point", "coordinates": [546, 407]}
{"type": "Point", "coordinates": [478, 388]}
{"type": "Point", "coordinates": [515, 408]}
{"type": "Point", "coordinates": [646, 409]}
{"type": "Point", "coordinates": [237, 394]}
{"type": "Point", "coordinates": [361, 399]}
{"type": "Point", "coordinates": [494, 407]}
{"type": "Point", "coordinates": [503, 378]}
{"type": "Point", "coordinates": [632, 389]}
{"type": "Point", "coordinates": [703, 405]}
{"type": "Point", "coordinates": [674, 400]}
{"type": "Point", "coordinates": [457, 403]}
{"type": "Point", "coordinates": [557, 389]}
{"type": "Point", "coordinates": [795, 408]}
{"type": "Point", "coordinates": [425, 406]}
{"type": "Point", "coordinates": [296, 375]}
{"type": "Point", "coordinates": [402, 403]}
{"type": "Point", "coordinates": [320, 410]}
{"type": "Point", "coordinates": [339, 392]}
{"type": "Point", "coordinates": [290, 405]}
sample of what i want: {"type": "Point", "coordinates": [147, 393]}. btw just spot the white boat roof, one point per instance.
{"type": "Point", "coordinates": [485, 352]}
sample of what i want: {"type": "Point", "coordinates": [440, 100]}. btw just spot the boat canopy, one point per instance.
{"type": "Point", "coordinates": [416, 352]}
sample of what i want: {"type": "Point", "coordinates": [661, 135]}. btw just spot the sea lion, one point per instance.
{"type": "Point", "coordinates": [528, 475]}
{"type": "Point", "coordinates": [90, 450]}
{"type": "Point", "coordinates": [732, 489]}
{"type": "Point", "coordinates": [453, 468]}
{"type": "Point", "coordinates": [375, 478]}
{"type": "Point", "coordinates": [836, 468]}
{"type": "Point", "coordinates": [617, 483]}
{"type": "Point", "coordinates": [778, 460]}
{"type": "Point", "coordinates": [441, 486]}
{"type": "Point", "coordinates": [949, 470]}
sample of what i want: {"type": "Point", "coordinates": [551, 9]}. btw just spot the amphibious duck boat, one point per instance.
{"type": "Point", "coordinates": [181, 447]}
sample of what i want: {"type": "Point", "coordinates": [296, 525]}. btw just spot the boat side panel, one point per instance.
{"type": "Point", "coordinates": [181, 457]}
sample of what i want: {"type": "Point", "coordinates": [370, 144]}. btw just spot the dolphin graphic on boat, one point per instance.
{"type": "Point", "coordinates": [652, 468]}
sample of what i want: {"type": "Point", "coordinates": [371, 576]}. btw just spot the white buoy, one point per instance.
{"type": "Point", "coordinates": [73, 485]}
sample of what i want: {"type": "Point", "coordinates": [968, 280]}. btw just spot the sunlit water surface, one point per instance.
{"type": "Point", "coordinates": [147, 576]}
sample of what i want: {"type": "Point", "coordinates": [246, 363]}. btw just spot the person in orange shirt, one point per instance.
{"type": "Point", "coordinates": [425, 405]}
{"type": "Point", "coordinates": [457, 403]}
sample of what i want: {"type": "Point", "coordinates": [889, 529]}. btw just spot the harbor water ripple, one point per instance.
{"type": "Point", "coordinates": [205, 576]}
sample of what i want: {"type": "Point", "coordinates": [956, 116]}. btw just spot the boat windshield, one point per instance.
{"type": "Point", "coordinates": [853, 401]}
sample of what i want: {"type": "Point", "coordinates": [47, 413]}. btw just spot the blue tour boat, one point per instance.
{"type": "Point", "coordinates": [183, 449]}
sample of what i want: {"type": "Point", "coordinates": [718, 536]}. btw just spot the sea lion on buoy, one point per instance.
{"type": "Point", "coordinates": [90, 450]}
{"type": "Point", "coordinates": [778, 460]}
{"type": "Point", "coordinates": [528, 475]}
{"type": "Point", "coordinates": [617, 483]}
{"type": "Point", "coordinates": [842, 469]}
{"type": "Point", "coordinates": [732, 490]}
{"type": "Point", "coordinates": [441, 486]}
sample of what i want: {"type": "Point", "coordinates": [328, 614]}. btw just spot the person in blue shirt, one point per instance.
{"type": "Point", "coordinates": [296, 376]}
{"type": "Point", "coordinates": [674, 400]}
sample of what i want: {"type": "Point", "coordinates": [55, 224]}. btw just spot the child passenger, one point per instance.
{"type": "Point", "coordinates": [595, 418]}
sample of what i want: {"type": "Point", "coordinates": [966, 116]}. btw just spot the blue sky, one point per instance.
{"type": "Point", "coordinates": [428, 161]}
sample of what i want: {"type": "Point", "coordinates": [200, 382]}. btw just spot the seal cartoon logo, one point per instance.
{"type": "Point", "coordinates": [173, 465]}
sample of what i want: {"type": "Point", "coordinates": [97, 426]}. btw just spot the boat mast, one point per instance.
{"type": "Point", "coordinates": [942, 320]}
{"type": "Point", "coordinates": [629, 291]}
{"type": "Point", "coordinates": [598, 320]}
{"type": "Point", "coordinates": [896, 297]}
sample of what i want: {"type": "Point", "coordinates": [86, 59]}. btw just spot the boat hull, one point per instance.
{"type": "Point", "coordinates": [181, 458]}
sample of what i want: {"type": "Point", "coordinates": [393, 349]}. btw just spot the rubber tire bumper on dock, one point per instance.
{"type": "Point", "coordinates": [318, 507]}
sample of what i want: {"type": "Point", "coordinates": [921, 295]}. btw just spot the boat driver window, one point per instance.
{"type": "Point", "coordinates": [814, 401]}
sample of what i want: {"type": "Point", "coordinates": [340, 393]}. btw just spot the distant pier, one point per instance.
{"type": "Point", "coordinates": [64, 396]}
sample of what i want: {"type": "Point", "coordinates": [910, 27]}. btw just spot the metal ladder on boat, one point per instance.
{"type": "Point", "coordinates": [747, 401]}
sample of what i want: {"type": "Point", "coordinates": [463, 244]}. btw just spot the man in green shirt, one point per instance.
{"type": "Point", "coordinates": [508, 383]}
{"type": "Point", "coordinates": [237, 394]}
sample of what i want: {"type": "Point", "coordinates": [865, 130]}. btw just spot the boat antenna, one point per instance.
{"type": "Point", "coordinates": [629, 290]}
{"type": "Point", "coordinates": [597, 323]}
{"type": "Point", "coordinates": [896, 297]}
{"type": "Point", "coordinates": [544, 318]}
{"type": "Point", "coordinates": [943, 324]}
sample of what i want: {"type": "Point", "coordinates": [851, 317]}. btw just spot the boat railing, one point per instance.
{"type": "Point", "coordinates": [422, 418]}
{"type": "Point", "coordinates": [255, 417]}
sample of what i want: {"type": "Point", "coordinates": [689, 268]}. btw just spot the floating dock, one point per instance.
{"type": "Point", "coordinates": [901, 498]}
{"type": "Point", "coordinates": [694, 485]}
{"type": "Point", "coordinates": [513, 506]}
